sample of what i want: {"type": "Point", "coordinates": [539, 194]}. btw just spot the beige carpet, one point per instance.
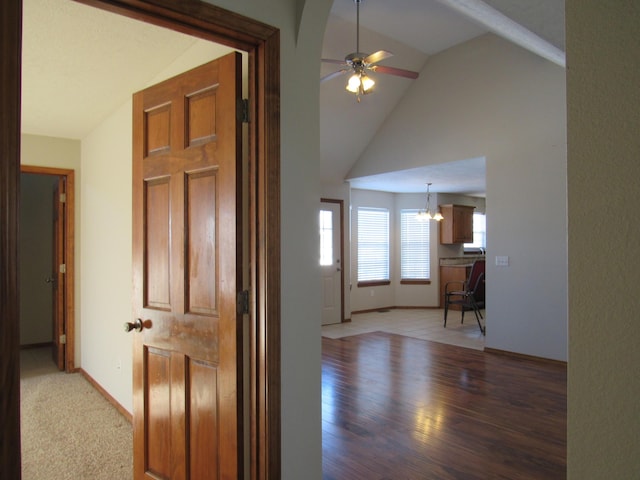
{"type": "Point", "coordinates": [69, 430]}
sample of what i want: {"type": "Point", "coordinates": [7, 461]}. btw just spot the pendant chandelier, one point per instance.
{"type": "Point", "coordinates": [426, 214]}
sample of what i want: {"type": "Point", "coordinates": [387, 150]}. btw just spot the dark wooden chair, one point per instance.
{"type": "Point", "coordinates": [469, 295]}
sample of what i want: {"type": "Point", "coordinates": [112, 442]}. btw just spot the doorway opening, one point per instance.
{"type": "Point", "coordinates": [263, 46]}
{"type": "Point", "coordinates": [54, 321]}
{"type": "Point", "coordinates": [332, 260]}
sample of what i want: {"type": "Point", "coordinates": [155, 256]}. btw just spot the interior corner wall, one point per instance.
{"type": "Point", "coordinates": [489, 98]}
{"type": "Point", "coordinates": [51, 152]}
{"type": "Point", "coordinates": [395, 294]}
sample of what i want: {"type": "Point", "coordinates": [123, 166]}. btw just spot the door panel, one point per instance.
{"type": "Point", "coordinates": [187, 356]}
{"type": "Point", "coordinates": [201, 192]}
{"type": "Point", "coordinates": [157, 236]}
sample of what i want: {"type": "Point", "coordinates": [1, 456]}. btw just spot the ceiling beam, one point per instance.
{"type": "Point", "coordinates": [505, 27]}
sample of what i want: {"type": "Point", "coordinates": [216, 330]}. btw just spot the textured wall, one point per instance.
{"type": "Point", "coordinates": [603, 78]}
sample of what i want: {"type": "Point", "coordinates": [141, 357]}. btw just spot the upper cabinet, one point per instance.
{"type": "Point", "coordinates": [457, 225]}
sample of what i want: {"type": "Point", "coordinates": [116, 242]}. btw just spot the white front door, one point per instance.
{"type": "Point", "coordinates": [330, 224]}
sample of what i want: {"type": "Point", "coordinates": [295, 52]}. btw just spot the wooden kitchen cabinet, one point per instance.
{"type": "Point", "coordinates": [457, 224]}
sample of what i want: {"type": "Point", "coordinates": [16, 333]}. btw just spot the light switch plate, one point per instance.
{"type": "Point", "coordinates": [502, 261]}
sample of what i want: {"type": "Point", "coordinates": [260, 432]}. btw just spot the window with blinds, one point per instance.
{"type": "Point", "coordinates": [373, 245]}
{"type": "Point", "coordinates": [414, 247]}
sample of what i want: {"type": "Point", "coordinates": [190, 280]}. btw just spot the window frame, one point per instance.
{"type": "Point", "coordinates": [471, 248]}
{"type": "Point", "coordinates": [368, 282]}
{"type": "Point", "coordinates": [407, 214]}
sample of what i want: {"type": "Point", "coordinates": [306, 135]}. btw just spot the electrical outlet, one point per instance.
{"type": "Point", "coordinates": [372, 293]}
{"type": "Point", "coordinates": [118, 364]}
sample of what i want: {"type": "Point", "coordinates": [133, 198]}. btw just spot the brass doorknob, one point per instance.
{"type": "Point", "coordinates": [136, 325]}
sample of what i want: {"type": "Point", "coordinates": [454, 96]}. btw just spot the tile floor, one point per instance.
{"type": "Point", "coordinates": [426, 324]}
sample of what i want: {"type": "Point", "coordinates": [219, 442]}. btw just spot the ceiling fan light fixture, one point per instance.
{"type": "Point", "coordinates": [360, 84]}
{"type": "Point", "coordinates": [367, 84]}
{"type": "Point", "coordinates": [353, 85]}
{"type": "Point", "coordinates": [359, 62]}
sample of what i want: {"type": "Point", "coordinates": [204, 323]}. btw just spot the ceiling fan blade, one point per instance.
{"type": "Point", "coordinates": [394, 71]}
{"type": "Point", "coordinates": [377, 57]}
{"type": "Point", "coordinates": [334, 75]}
{"type": "Point", "coordinates": [331, 60]}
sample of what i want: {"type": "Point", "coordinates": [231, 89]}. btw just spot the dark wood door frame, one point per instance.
{"type": "Point", "coordinates": [206, 21]}
{"type": "Point", "coordinates": [68, 246]}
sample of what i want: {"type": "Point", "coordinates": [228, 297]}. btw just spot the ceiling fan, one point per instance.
{"type": "Point", "coordinates": [359, 63]}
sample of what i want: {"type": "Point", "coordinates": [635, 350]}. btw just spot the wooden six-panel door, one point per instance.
{"type": "Point", "coordinates": [187, 355]}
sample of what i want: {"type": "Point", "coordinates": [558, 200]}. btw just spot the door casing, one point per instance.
{"type": "Point", "coordinates": [262, 42]}
{"type": "Point", "coordinates": [340, 205]}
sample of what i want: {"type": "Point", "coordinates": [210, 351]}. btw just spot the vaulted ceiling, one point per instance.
{"type": "Point", "coordinates": [74, 56]}
{"type": "Point", "coordinates": [414, 30]}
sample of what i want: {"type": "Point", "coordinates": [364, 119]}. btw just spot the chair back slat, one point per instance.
{"type": "Point", "coordinates": [476, 270]}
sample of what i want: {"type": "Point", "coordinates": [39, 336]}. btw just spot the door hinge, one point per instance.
{"type": "Point", "coordinates": [63, 339]}
{"type": "Point", "coordinates": [243, 110]}
{"type": "Point", "coordinates": [243, 302]}
{"type": "Point", "coordinates": [63, 268]}
{"type": "Point", "coordinates": [63, 198]}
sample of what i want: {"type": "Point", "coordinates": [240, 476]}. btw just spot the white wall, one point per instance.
{"type": "Point", "coordinates": [106, 255]}
{"type": "Point", "coordinates": [489, 98]}
{"type": "Point", "coordinates": [603, 74]}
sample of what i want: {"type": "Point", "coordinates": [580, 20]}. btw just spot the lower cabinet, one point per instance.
{"type": "Point", "coordinates": [450, 273]}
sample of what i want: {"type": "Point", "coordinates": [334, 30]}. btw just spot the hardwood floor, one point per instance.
{"type": "Point", "coordinates": [396, 407]}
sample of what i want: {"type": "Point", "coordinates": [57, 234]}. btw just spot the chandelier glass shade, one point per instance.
{"type": "Point", "coordinates": [426, 214]}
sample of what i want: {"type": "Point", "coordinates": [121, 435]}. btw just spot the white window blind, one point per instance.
{"type": "Point", "coordinates": [414, 246]}
{"type": "Point", "coordinates": [373, 244]}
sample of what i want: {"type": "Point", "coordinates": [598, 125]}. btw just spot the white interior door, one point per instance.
{"type": "Point", "coordinates": [330, 224]}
